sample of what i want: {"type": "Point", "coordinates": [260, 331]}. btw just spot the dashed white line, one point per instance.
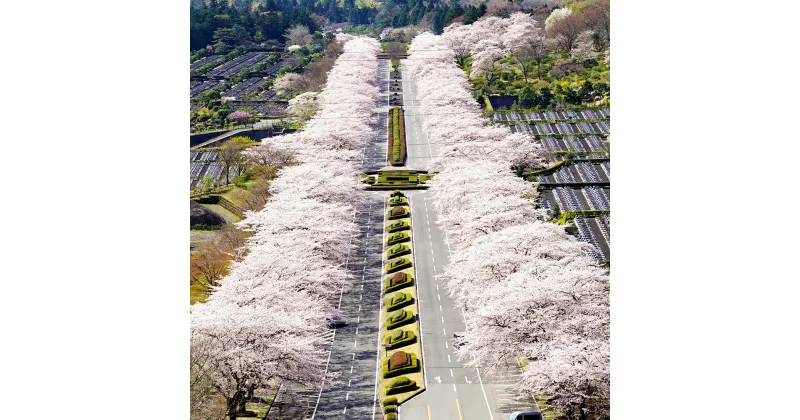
{"type": "Point", "coordinates": [437, 287]}
{"type": "Point", "coordinates": [354, 356]}
{"type": "Point", "coordinates": [445, 345]}
{"type": "Point", "coordinates": [440, 308]}
{"type": "Point", "coordinates": [348, 382]}
{"type": "Point", "coordinates": [357, 329]}
{"type": "Point", "coordinates": [351, 368]}
{"type": "Point", "coordinates": [438, 296]}
{"type": "Point", "coordinates": [442, 319]}
{"type": "Point", "coordinates": [448, 361]}
{"type": "Point", "coordinates": [345, 409]}
{"type": "Point", "coordinates": [347, 397]}
{"type": "Point", "coordinates": [451, 370]}
{"type": "Point", "coordinates": [445, 332]}
{"type": "Point", "coordinates": [355, 343]}
{"type": "Point", "coordinates": [454, 388]}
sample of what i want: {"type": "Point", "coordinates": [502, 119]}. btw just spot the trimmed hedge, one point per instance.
{"type": "Point", "coordinates": [400, 385]}
{"type": "Point", "coordinates": [397, 251]}
{"type": "Point", "coordinates": [398, 201]}
{"type": "Point", "coordinates": [397, 238]}
{"type": "Point", "coordinates": [399, 319]}
{"type": "Point", "coordinates": [390, 416]}
{"type": "Point", "coordinates": [399, 300]}
{"type": "Point", "coordinates": [397, 138]}
{"type": "Point", "coordinates": [397, 193]}
{"type": "Point", "coordinates": [389, 409]}
{"type": "Point", "coordinates": [411, 368]}
{"type": "Point", "coordinates": [406, 337]}
{"type": "Point", "coordinates": [397, 264]}
{"type": "Point", "coordinates": [398, 226]}
{"type": "Point", "coordinates": [397, 286]}
{"type": "Point", "coordinates": [390, 401]}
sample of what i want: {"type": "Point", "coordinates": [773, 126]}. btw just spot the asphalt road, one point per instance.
{"type": "Point", "coordinates": [419, 149]}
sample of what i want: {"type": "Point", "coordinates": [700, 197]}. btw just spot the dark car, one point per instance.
{"type": "Point", "coordinates": [526, 415]}
{"type": "Point", "coordinates": [458, 340]}
{"type": "Point", "coordinates": [335, 319]}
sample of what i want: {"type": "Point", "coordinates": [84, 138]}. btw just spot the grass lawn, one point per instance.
{"type": "Point", "coordinates": [222, 211]}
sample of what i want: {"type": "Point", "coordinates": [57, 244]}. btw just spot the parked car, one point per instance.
{"type": "Point", "coordinates": [525, 415]}
{"type": "Point", "coordinates": [458, 340]}
{"type": "Point", "coordinates": [335, 319]}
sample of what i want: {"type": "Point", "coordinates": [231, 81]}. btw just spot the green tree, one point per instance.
{"type": "Point", "coordinates": [527, 99]}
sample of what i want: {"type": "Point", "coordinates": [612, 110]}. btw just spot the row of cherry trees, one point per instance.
{"type": "Point", "coordinates": [265, 323]}
{"type": "Point", "coordinates": [530, 289]}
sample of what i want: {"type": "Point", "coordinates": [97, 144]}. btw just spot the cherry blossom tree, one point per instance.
{"type": "Point", "coordinates": [584, 47]}
{"type": "Point", "coordinates": [555, 16]}
{"type": "Point", "coordinates": [303, 106]}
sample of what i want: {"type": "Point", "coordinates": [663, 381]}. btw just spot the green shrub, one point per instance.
{"type": "Point", "coordinates": [398, 201]}
{"type": "Point", "coordinates": [397, 251]}
{"type": "Point", "coordinates": [397, 264]}
{"type": "Point", "coordinates": [389, 409]}
{"type": "Point", "coordinates": [399, 318]}
{"type": "Point", "coordinates": [399, 300]}
{"type": "Point", "coordinates": [397, 193]}
{"type": "Point", "coordinates": [399, 382]}
{"type": "Point", "coordinates": [390, 401]}
{"type": "Point", "coordinates": [398, 226]}
{"type": "Point", "coordinates": [397, 238]}
{"type": "Point", "coordinates": [390, 416]}
{"type": "Point", "coordinates": [406, 281]}
{"type": "Point", "coordinates": [411, 368]}
{"type": "Point", "coordinates": [407, 337]}
{"type": "Point", "coordinates": [398, 386]}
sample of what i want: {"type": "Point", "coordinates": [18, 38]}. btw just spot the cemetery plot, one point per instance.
{"type": "Point", "coordinates": [259, 108]}
{"type": "Point", "coordinates": [589, 231]}
{"type": "Point", "coordinates": [198, 90]}
{"type": "Point", "coordinates": [233, 67]}
{"type": "Point", "coordinates": [268, 95]}
{"type": "Point", "coordinates": [245, 87]}
{"type": "Point", "coordinates": [212, 59]}
{"type": "Point", "coordinates": [566, 116]}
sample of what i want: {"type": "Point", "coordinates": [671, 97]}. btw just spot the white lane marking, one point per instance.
{"type": "Point", "coordinates": [445, 345]}
{"type": "Point", "coordinates": [354, 356]}
{"type": "Point", "coordinates": [362, 286]}
{"type": "Point", "coordinates": [351, 368]}
{"type": "Point", "coordinates": [445, 332]}
{"type": "Point", "coordinates": [442, 319]}
{"type": "Point", "coordinates": [355, 343]}
{"type": "Point", "coordinates": [345, 409]}
{"type": "Point", "coordinates": [360, 296]}
{"type": "Point", "coordinates": [358, 320]}
{"type": "Point", "coordinates": [359, 308]}
{"type": "Point", "coordinates": [438, 296]}
{"type": "Point", "coordinates": [348, 382]}
{"type": "Point", "coordinates": [347, 397]}
{"type": "Point", "coordinates": [356, 330]}
{"type": "Point", "coordinates": [434, 268]}
{"type": "Point", "coordinates": [451, 370]}
{"type": "Point", "coordinates": [437, 287]}
{"type": "Point", "coordinates": [440, 308]}
{"type": "Point", "coordinates": [448, 361]}
{"type": "Point", "coordinates": [454, 388]}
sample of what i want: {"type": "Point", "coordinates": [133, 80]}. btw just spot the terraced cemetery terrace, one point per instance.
{"type": "Point", "coordinates": [386, 180]}
{"type": "Point", "coordinates": [576, 187]}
